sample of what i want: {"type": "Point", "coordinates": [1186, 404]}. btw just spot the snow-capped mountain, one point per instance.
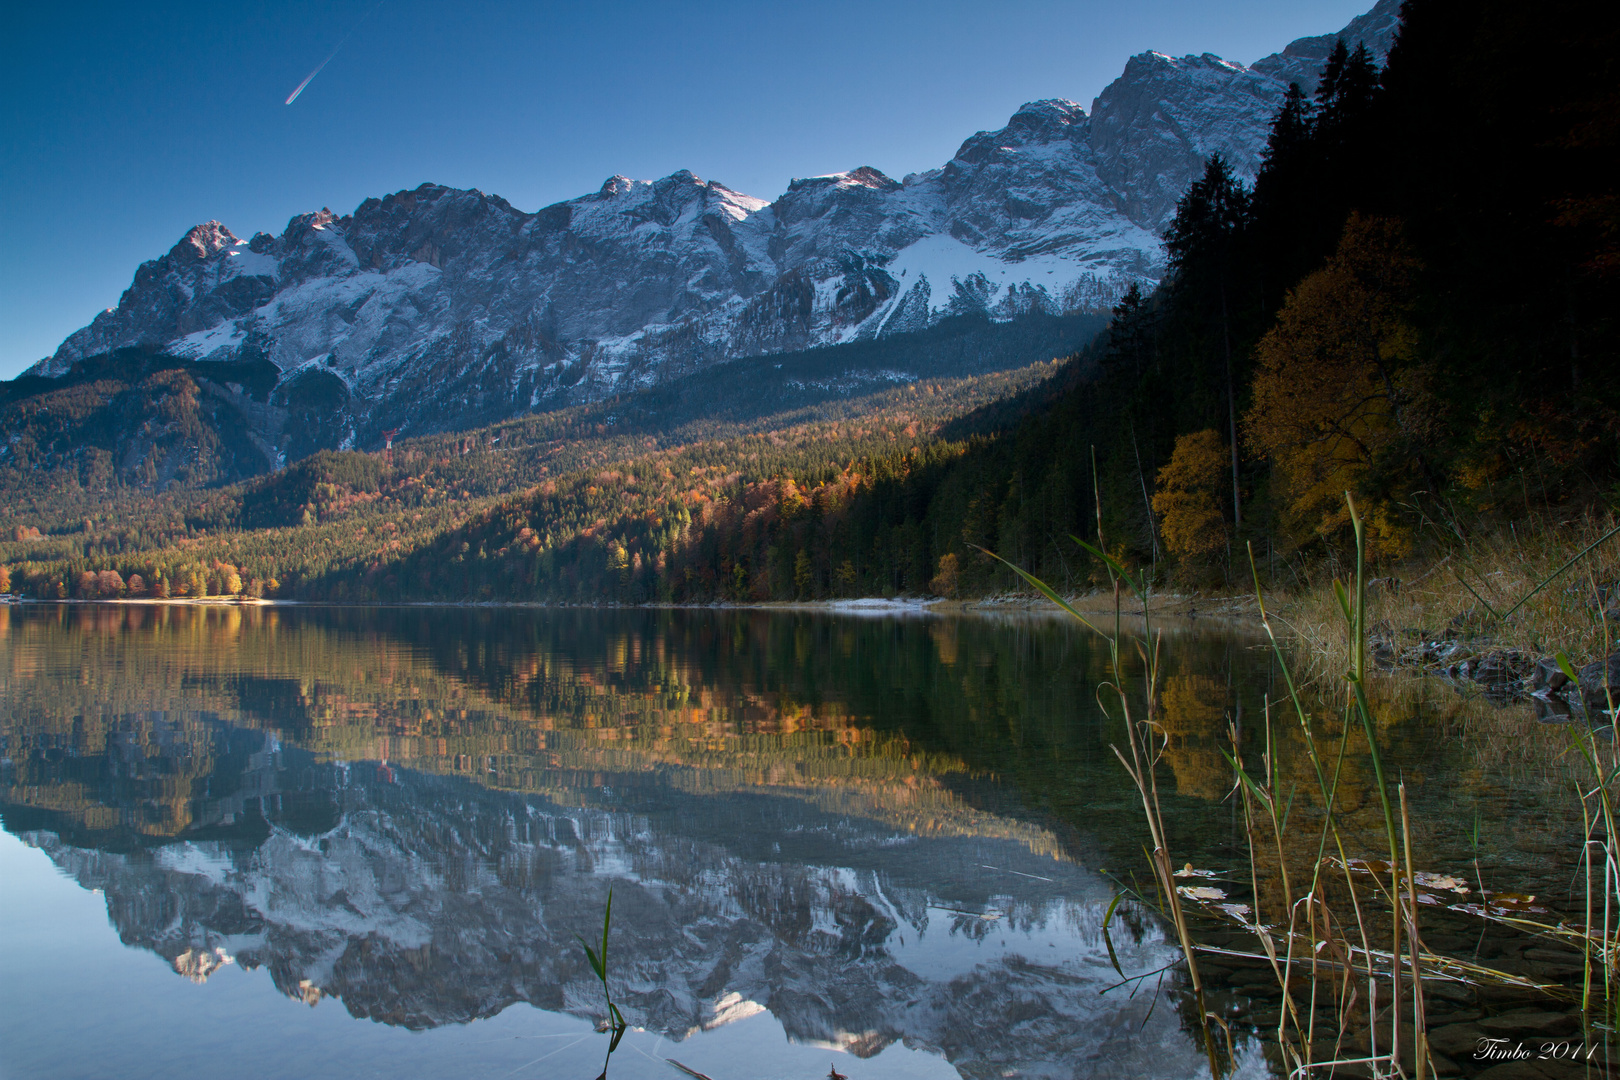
{"type": "Point", "coordinates": [432, 901]}
{"type": "Point", "coordinates": [432, 308]}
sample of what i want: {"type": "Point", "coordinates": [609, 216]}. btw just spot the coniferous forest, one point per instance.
{"type": "Point", "coordinates": [1413, 302]}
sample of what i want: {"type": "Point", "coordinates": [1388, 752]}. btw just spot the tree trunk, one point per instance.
{"type": "Point", "coordinates": [1231, 415]}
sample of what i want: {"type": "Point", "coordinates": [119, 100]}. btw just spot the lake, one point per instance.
{"type": "Point", "coordinates": [282, 841]}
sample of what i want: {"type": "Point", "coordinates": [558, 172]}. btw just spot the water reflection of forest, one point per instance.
{"type": "Point", "coordinates": [416, 815]}
{"type": "Point", "coordinates": [122, 715]}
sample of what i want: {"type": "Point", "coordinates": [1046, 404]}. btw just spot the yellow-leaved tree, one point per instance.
{"type": "Point", "coordinates": [1188, 496]}
{"type": "Point", "coordinates": [1340, 400]}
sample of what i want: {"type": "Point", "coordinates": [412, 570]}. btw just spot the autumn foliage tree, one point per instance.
{"type": "Point", "coordinates": [1188, 500]}
{"type": "Point", "coordinates": [947, 580]}
{"type": "Point", "coordinates": [1340, 399]}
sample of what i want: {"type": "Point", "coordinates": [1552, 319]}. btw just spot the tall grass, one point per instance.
{"type": "Point", "coordinates": [1145, 745]}
{"type": "Point", "coordinates": [1536, 585]}
{"type": "Point", "coordinates": [1341, 931]}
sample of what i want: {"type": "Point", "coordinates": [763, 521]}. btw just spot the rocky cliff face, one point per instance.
{"type": "Point", "coordinates": [439, 308]}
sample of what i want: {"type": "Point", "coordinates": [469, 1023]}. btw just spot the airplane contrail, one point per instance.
{"type": "Point", "coordinates": [299, 89]}
{"type": "Point", "coordinates": [292, 97]}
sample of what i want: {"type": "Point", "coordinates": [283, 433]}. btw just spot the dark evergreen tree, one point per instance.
{"type": "Point", "coordinates": [1286, 242]}
{"type": "Point", "coordinates": [1345, 94]}
{"type": "Point", "coordinates": [1130, 335]}
{"type": "Point", "coordinates": [1204, 243]}
{"type": "Point", "coordinates": [1327, 87]}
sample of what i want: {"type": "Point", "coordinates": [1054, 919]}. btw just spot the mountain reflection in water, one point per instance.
{"type": "Point", "coordinates": [832, 820]}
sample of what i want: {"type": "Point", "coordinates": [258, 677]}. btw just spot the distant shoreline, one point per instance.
{"type": "Point", "coordinates": [1171, 605]}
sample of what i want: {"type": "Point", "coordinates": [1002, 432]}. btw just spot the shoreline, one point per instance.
{"type": "Point", "coordinates": [1171, 605]}
{"type": "Point", "coordinates": [1503, 674]}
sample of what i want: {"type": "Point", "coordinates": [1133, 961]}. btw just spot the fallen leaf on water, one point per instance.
{"type": "Point", "coordinates": [1188, 871]}
{"type": "Point", "coordinates": [1513, 902]}
{"type": "Point", "coordinates": [1504, 904]}
{"type": "Point", "coordinates": [1201, 892]}
{"type": "Point", "coordinates": [689, 1071]}
{"type": "Point", "coordinates": [1442, 881]}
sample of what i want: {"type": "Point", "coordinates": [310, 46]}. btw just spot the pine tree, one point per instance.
{"type": "Point", "coordinates": [1287, 201]}
{"type": "Point", "coordinates": [1290, 130]}
{"type": "Point", "coordinates": [1349, 84]}
{"type": "Point", "coordinates": [1203, 243]}
{"type": "Point", "coordinates": [1130, 334]}
{"type": "Point", "coordinates": [1327, 87]}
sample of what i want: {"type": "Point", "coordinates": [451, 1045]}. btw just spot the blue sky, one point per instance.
{"type": "Point", "coordinates": [126, 124]}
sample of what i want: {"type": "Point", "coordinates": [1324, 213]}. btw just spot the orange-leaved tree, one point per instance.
{"type": "Point", "coordinates": [1188, 499]}
{"type": "Point", "coordinates": [1340, 398]}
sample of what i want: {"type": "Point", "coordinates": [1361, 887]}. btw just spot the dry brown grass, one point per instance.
{"type": "Point", "coordinates": [1513, 588]}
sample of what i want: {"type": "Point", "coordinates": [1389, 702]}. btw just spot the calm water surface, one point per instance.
{"type": "Point", "coordinates": [346, 842]}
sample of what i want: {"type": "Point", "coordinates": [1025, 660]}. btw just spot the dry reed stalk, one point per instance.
{"type": "Point", "coordinates": [1420, 1051]}
{"type": "Point", "coordinates": [1360, 976]}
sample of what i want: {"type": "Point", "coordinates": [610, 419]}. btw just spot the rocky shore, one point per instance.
{"type": "Point", "coordinates": [1503, 672]}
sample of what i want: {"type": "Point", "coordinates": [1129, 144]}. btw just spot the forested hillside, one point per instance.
{"type": "Point", "coordinates": [1414, 302]}
{"type": "Point", "coordinates": [480, 515]}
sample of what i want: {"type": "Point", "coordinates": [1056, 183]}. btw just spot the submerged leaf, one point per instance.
{"type": "Point", "coordinates": [1513, 902]}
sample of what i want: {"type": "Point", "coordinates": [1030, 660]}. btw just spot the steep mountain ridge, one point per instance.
{"type": "Point", "coordinates": [439, 308]}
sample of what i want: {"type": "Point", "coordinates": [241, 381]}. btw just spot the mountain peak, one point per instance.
{"type": "Point", "coordinates": [1035, 123]}
{"type": "Point", "coordinates": [204, 240]}
{"type": "Point", "coordinates": [864, 176]}
{"type": "Point", "coordinates": [1302, 60]}
{"type": "Point", "coordinates": [1048, 119]}
{"type": "Point", "coordinates": [683, 176]}
{"type": "Point", "coordinates": [443, 307]}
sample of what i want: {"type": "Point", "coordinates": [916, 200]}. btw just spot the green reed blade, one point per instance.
{"type": "Point", "coordinates": [1043, 588]}
{"type": "Point", "coordinates": [1116, 566]}
{"type": "Point", "coordinates": [1108, 938]}
{"type": "Point", "coordinates": [607, 918]}
{"type": "Point", "coordinates": [590, 954]}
